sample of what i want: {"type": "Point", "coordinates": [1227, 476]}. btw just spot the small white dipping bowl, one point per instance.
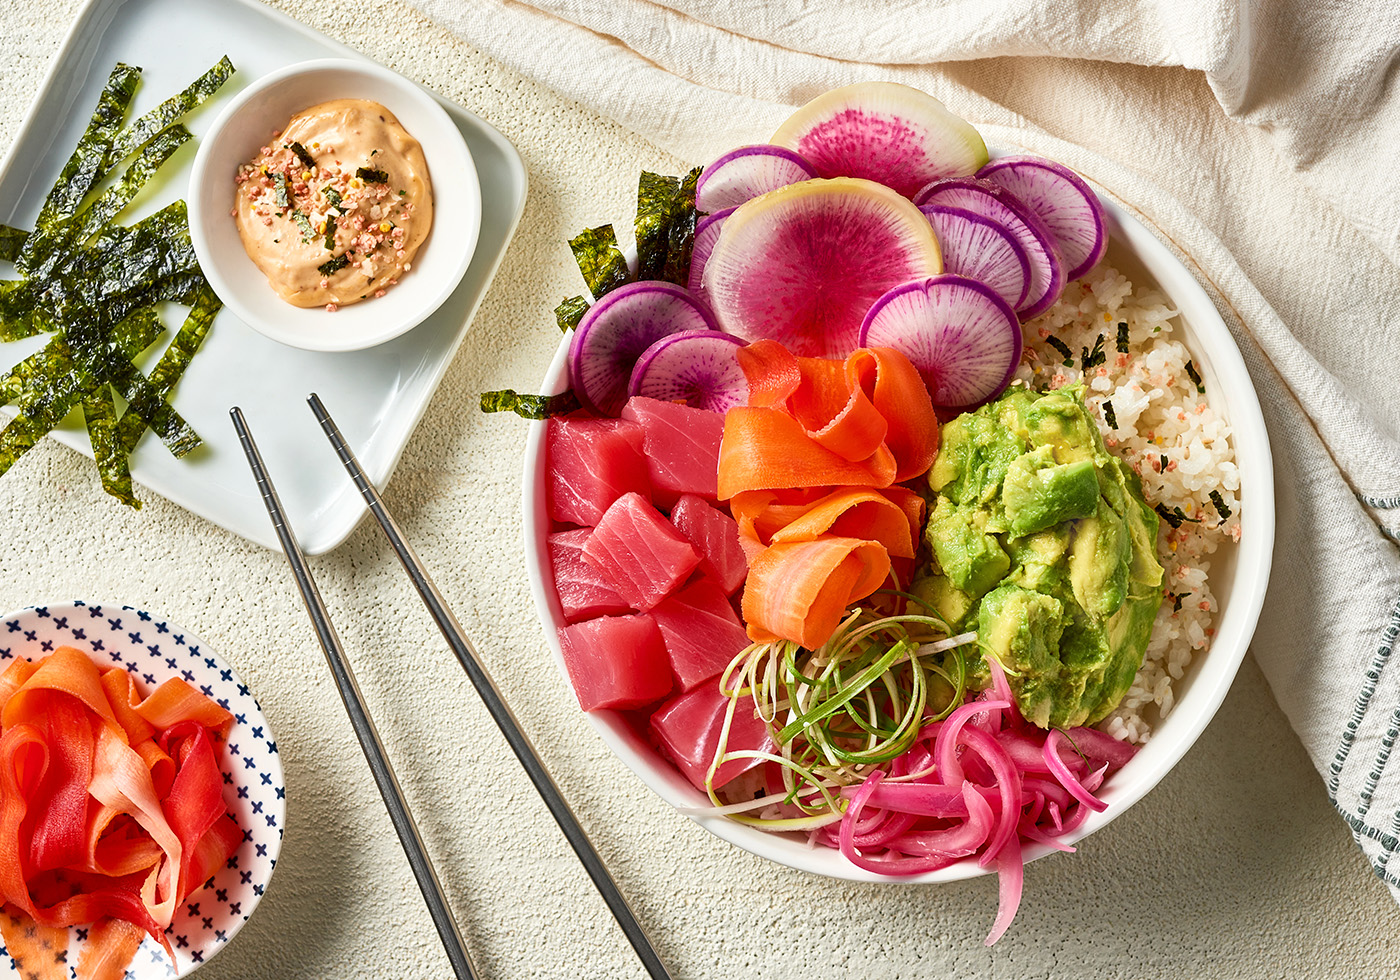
{"type": "Point", "coordinates": [1238, 577]}
{"type": "Point", "coordinates": [247, 124]}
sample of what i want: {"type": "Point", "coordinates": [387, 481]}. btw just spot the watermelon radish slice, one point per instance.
{"type": "Point", "coordinates": [697, 367]}
{"type": "Point", "coordinates": [743, 174]}
{"type": "Point", "coordinates": [802, 264]}
{"type": "Point", "coordinates": [618, 328]}
{"type": "Point", "coordinates": [1063, 201]}
{"type": "Point", "coordinates": [980, 248]}
{"type": "Point", "coordinates": [959, 333]}
{"type": "Point", "coordinates": [706, 234]}
{"type": "Point", "coordinates": [994, 201]}
{"type": "Point", "coordinates": [885, 132]}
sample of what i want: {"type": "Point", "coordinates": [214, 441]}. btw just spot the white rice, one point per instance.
{"type": "Point", "coordinates": [1171, 436]}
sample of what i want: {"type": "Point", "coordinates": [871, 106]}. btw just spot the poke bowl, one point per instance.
{"type": "Point", "coordinates": [1238, 576]}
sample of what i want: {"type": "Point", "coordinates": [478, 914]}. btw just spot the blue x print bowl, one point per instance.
{"type": "Point", "coordinates": [154, 649]}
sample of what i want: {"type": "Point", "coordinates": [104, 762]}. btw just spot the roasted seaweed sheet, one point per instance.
{"type": "Point", "coordinates": [95, 285]}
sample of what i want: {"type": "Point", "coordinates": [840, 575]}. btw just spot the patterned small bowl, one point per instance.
{"type": "Point", "coordinates": [153, 649]}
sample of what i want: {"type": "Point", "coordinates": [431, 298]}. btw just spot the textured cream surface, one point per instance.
{"type": "Point", "coordinates": [1235, 866]}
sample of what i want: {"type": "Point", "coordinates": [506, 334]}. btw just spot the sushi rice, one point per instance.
{"type": "Point", "coordinates": [1162, 424]}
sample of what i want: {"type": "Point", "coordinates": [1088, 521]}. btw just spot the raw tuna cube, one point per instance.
{"type": "Point", "coordinates": [616, 661]}
{"type": "Point", "coordinates": [687, 728]}
{"type": "Point", "coordinates": [582, 591]}
{"type": "Point", "coordinates": [682, 447]}
{"type": "Point", "coordinates": [701, 632]}
{"type": "Point", "coordinates": [716, 537]}
{"type": "Point", "coordinates": [592, 462]}
{"type": "Point", "coordinates": [640, 553]}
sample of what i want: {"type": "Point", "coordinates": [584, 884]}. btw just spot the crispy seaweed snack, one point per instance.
{"type": "Point", "coordinates": [94, 285]}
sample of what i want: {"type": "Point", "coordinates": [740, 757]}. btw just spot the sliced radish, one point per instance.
{"type": "Point", "coordinates": [618, 328]}
{"type": "Point", "coordinates": [802, 264]}
{"type": "Point", "coordinates": [885, 132]}
{"type": "Point", "coordinates": [743, 174]}
{"type": "Point", "coordinates": [706, 234]}
{"type": "Point", "coordinates": [697, 367]}
{"type": "Point", "coordinates": [977, 247]}
{"type": "Point", "coordinates": [996, 202]}
{"type": "Point", "coordinates": [1063, 201]}
{"type": "Point", "coordinates": [959, 333]}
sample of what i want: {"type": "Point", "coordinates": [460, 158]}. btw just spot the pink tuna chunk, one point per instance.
{"type": "Point", "coordinates": [639, 553]}
{"type": "Point", "coordinates": [716, 537]}
{"type": "Point", "coordinates": [682, 447]}
{"type": "Point", "coordinates": [616, 661]}
{"type": "Point", "coordinates": [590, 463]}
{"type": "Point", "coordinates": [687, 728]}
{"type": "Point", "coordinates": [701, 632]}
{"type": "Point", "coordinates": [582, 592]}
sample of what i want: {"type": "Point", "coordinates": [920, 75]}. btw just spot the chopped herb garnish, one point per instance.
{"type": "Point", "coordinates": [279, 188]}
{"type": "Point", "coordinates": [1109, 415]}
{"type": "Point", "coordinates": [373, 152]}
{"type": "Point", "coordinates": [402, 193]}
{"type": "Point", "coordinates": [307, 160]}
{"type": "Point", "coordinates": [1122, 336]}
{"type": "Point", "coordinates": [372, 176]}
{"type": "Point", "coordinates": [529, 406]}
{"type": "Point", "coordinates": [1063, 348]}
{"type": "Point", "coordinates": [1195, 377]}
{"type": "Point", "coordinates": [568, 313]}
{"type": "Point", "coordinates": [1092, 358]}
{"type": "Point", "coordinates": [332, 266]}
{"type": "Point", "coordinates": [602, 263]}
{"type": "Point", "coordinates": [1175, 517]}
{"type": "Point", "coordinates": [1220, 507]}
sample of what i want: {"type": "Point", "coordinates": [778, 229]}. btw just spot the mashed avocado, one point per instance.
{"type": "Point", "coordinates": [1041, 541]}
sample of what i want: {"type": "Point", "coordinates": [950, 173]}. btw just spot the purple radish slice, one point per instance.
{"type": "Point", "coordinates": [1063, 201]}
{"type": "Point", "coordinates": [697, 367]}
{"type": "Point", "coordinates": [802, 264]}
{"type": "Point", "coordinates": [883, 131]}
{"type": "Point", "coordinates": [743, 174]}
{"type": "Point", "coordinates": [960, 335]}
{"type": "Point", "coordinates": [617, 329]}
{"type": "Point", "coordinates": [977, 247]}
{"type": "Point", "coordinates": [706, 234]}
{"type": "Point", "coordinates": [994, 201]}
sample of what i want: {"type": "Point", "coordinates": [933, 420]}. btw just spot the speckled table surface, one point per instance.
{"type": "Point", "coordinates": [1235, 866]}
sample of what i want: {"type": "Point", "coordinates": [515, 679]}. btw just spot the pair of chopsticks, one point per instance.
{"type": "Point", "coordinates": [379, 765]}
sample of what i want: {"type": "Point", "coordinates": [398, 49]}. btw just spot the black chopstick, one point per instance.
{"type": "Point", "coordinates": [495, 704]}
{"type": "Point", "coordinates": [359, 717]}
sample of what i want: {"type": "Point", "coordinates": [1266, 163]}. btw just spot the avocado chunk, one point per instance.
{"type": "Point", "coordinates": [1043, 540]}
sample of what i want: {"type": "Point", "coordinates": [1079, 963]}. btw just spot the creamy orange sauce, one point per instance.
{"type": "Point", "coordinates": [347, 228]}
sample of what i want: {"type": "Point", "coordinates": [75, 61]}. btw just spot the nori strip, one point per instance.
{"type": "Point", "coordinates": [304, 223]}
{"type": "Point", "coordinates": [100, 414]}
{"type": "Point", "coordinates": [680, 237]}
{"type": "Point", "coordinates": [143, 130]}
{"type": "Point", "coordinates": [1122, 336]}
{"type": "Point", "coordinates": [656, 200]}
{"type": "Point", "coordinates": [330, 233]}
{"type": "Point", "coordinates": [1195, 377]}
{"type": "Point", "coordinates": [307, 160]}
{"type": "Point", "coordinates": [1109, 415]}
{"type": "Point", "coordinates": [279, 187]}
{"type": "Point", "coordinates": [1063, 348]}
{"type": "Point", "coordinates": [332, 266]}
{"type": "Point", "coordinates": [171, 366]}
{"type": "Point", "coordinates": [1092, 358]}
{"type": "Point", "coordinates": [602, 263]}
{"type": "Point", "coordinates": [568, 313]}
{"type": "Point", "coordinates": [529, 406]}
{"type": "Point", "coordinates": [1176, 516]}
{"type": "Point", "coordinates": [1220, 506]}
{"type": "Point", "coordinates": [332, 196]}
{"type": "Point", "coordinates": [372, 176]}
{"type": "Point", "coordinates": [17, 319]}
{"type": "Point", "coordinates": [11, 241]}
{"type": "Point", "coordinates": [86, 164]}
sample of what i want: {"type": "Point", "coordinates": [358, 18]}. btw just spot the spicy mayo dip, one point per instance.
{"type": "Point", "coordinates": [335, 206]}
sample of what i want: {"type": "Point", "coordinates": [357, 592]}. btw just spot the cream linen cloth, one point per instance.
{"type": "Point", "coordinates": [1292, 163]}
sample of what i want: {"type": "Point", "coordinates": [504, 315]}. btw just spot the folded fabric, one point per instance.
{"type": "Point", "coordinates": [1274, 184]}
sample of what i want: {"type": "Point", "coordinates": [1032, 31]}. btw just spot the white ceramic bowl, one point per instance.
{"type": "Point", "coordinates": [234, 139]}
{"type": "Point", "coordinates": [1238, 577]}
